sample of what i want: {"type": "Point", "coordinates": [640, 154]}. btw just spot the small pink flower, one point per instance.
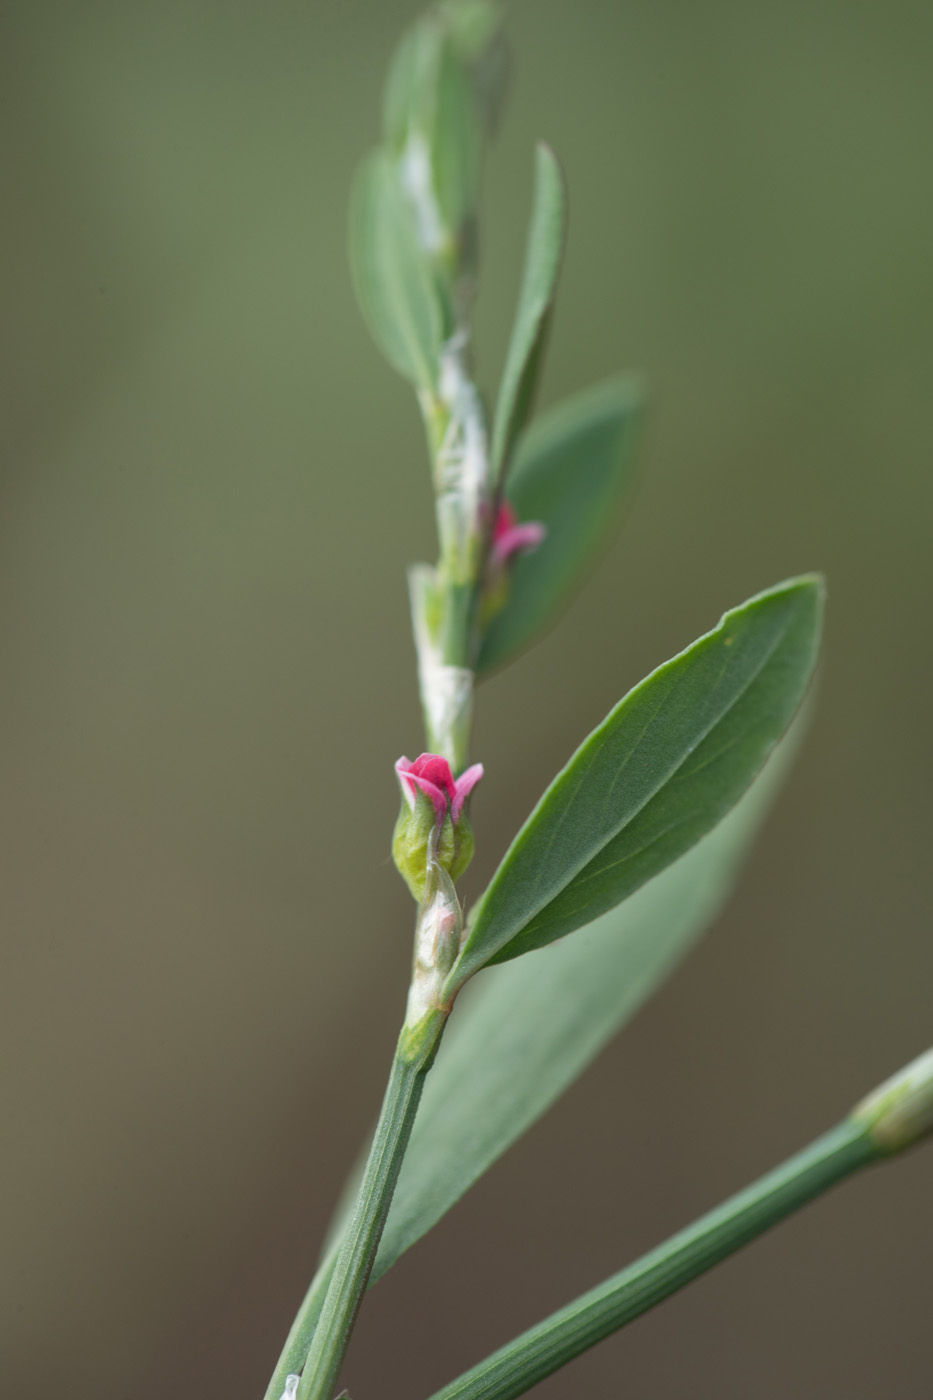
{"type": "Point", "coordinates": [437, 832]}
{"type": "Point", "coordinates": [431, 775]}
{"type": "Point", "coordinates": [509, 538]}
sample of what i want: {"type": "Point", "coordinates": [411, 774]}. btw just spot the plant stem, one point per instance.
{"type": "Point", "coordinates": [459, 605]}
{"type": "Point", "coordinates": [354, 1261]}
{"type": "Point", "coordinates": [565, 1334]}
{"type": "Point", "coordinates": [445, 599]}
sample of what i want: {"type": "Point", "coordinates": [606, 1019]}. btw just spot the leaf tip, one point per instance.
{"type": "Point", "coordinates": [808, 590]}
{"type": "Point", "coordinates": [549, 169]}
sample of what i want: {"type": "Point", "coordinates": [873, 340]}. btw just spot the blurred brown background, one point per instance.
{"type": "Point", "coordinates": [211, 487]}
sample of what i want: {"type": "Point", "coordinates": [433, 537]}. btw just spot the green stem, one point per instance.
{"type": "Point", "coordinates": [565, 1334]}
{"type": "Point", "coordinates": [360, 1241]}
{"type": "Point", "coordinates": [445, 600]}
{"type": "Point", "coordinates": [457, 637]}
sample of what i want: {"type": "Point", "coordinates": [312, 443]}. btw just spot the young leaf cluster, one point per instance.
{"type": "Point", "coordinates": [414, 257]}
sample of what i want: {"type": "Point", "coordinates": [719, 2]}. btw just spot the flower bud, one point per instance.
{"type": "Point", "coordinates": [509, 540]}
{"type": "Point", "coordinates": [900, 1111]}
{"type": "Point", "coordinates": [432, 825]}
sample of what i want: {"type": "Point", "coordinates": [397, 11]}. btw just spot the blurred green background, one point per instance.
{"type": "Point", "coordinates": [211, 487]}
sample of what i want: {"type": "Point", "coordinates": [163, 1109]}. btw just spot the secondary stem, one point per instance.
{"type": "Point", "coordinates": [364, 1229]}
{"type": "Point", "coordinates": [543, 1349]}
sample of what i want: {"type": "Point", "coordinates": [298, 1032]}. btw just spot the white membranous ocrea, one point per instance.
{"type": "Point", "coordinates": [418, 183]}
{"type": "Point", "coordinates": [437, 943]}
{"type": "Point", "coordinates": [447, 694]}
{"type": "Point", "coordinates": [446, 691]}
{"type": "Point", "coordinates": [463, 460]}
{"type": "Point", "coordinates": [291, 1387]}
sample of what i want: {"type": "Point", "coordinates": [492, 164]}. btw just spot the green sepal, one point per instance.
{"type": "Point", "coordinates": [413, 834]}
{"type": "Point", "coordinates": [463, 846]}
{"type": "Point", "coordinates": [416, 830]}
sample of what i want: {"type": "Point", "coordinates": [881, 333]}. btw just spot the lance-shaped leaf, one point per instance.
{"type": "Point", "coordinates": [394, 284]}
{"type": "Point", "coordinates": [660, 771]}
{"type": "Point", "coordinates": [571, 471]}
{"type": "Point", "coordinates": [539, 283]}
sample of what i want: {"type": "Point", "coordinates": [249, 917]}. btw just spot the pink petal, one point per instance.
{"type": "Point", "coordinates": [401, 768]}
{"type": "Point", "coordinates": [464, 786]}
{"type": "Point", "coordinates": [413, 781]}
{"type": "Point", "coordinates": [436, 770]}
{"type": "Point", "coordinates": [516, 538]}
{"type": "Point", "coordinates": [505, 521]}
{"type": "Point", "coordinates": [433, 793]}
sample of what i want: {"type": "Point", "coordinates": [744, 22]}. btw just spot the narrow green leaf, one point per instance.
{"type": "Point", "coordinates": [440, 98]}
{"type": "Point", "coordinates": [539, 283]}
{"type": "Point", "coordinates": [480, 39]}
{"type": "Point", "coordinates": [571, 471]}
{"type": "Point", "coordinates": [470, 35]}
{"type": "Point", "coordinates": [660, 771]}
{"type": "Point", "coordinates": [409, 81]}
{"type": "Point", "coordinates": [522, 1033]}
{"type": "Point", "coordinates": [456, 144]}
{"type": "Point", "coordinates": [393, 282]}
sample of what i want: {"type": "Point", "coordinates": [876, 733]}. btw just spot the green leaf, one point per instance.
{"type": "Point", "coordinates": [660, 771]}
{"type": "Point", "coordinates": [468, 34]}
{"type": "Point", "coordinates": [473, 26]}
{"type": "Point", "coordinates": [439, 104]}
{"type": "Point", "coordinates": [539, 283]}
{"type": "Point", "coordinates": [456, 143]}
{"type": "Point", "coordinates": [476, 33]}
{"type": "Point", "coordinates": [522, 1033]}
{"type": "Point", "coordinates": [410, 81]}
{"type": "Point", "coordinates": [430, 101]}
{"type": "Point", "coordinates": [571, 470]}
{"type": "Point", "coordinates": [393, 282]}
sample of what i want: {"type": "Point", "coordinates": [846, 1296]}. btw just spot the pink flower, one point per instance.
{"type": "Point", "coordinates": [431, 775]}
{"type": "Point", "coordinates": [436, 831]}
{"type": "Point", "coordinates": [509, 538]}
